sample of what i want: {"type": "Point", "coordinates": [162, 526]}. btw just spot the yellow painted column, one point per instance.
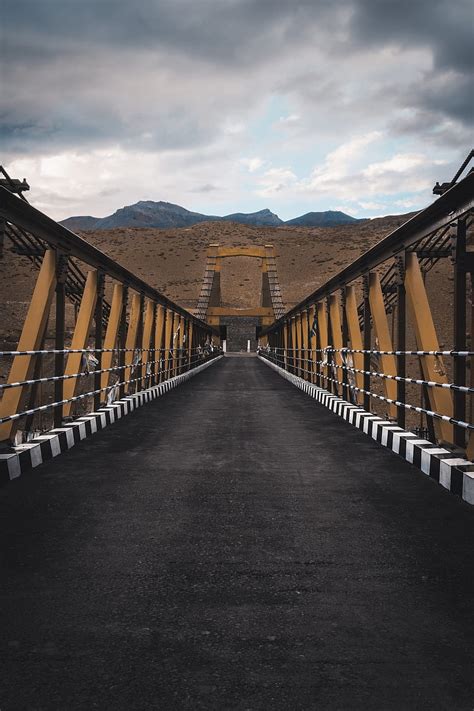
{"type": "Point", "coordinates": [384, 339]}
{"type": "Point", "coordinates": [336, 329]}
{"type": "Point", "coordinates": [80, 337]}
{"type": "Point", "coordinates": [293, 347]}
{"type": "Point", "coordinates": [132, 334]}
{"type": "Point", "coordinates": [191, 353]}
{"type": "Point", "coordinates": [323, 339]}
{"type": "Point", "coordinates": [159, 328]}
{"type": "Point", "coordinates": [146, 336]}
{"type": "Point", "coordinates": [111, 334]}
{"type": "Point", "coordinates": [306, 372]}
{"type": "Point", "coordinates": [168, 342]}
{"type": "Point", "coordinates": [312, 344]}
{"type": "Point", "coordinates": [31, 338]}
{"type": "Point", "coordinates": [298, 343]}
{"type": "Point", "coordinates": [286, 328]}
{"type": "Point", "coordinates": [441, 399]}
{"type": "Point", "coordinates": [355, 336]}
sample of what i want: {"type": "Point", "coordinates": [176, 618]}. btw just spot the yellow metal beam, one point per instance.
{"type": "Point", "coordinates": [384, 339]}
{"type": "Point", "coordinates": [433, 367]}
{"type": "Point", "coordinates": [355, 336]}
{"type": "Point", "coordinates": [257, 252]}
{"type": "Point", "coordinates": [168, 341]}
{"type": "Point", "coordinates": [286, 338]}
{"type": "Point", "coordinates": [304, 345]}
{"type": "Point", "coordinates": [336, 332]}
{"type": "Point", "coordinates": [146, 335]}
{"type": "Point", "coordinates": [80, 337]}
{"type": "Point", "coordinates": [224, 311]}
{"type": "Point", "coordinates": [159, 328]}
{"type": "Point", "coordinates": [293, 347]}
{"type": "Point", "coordinates": [191, 354]}
{"type": "Point", "coordinates": [298, 343]}
{"type": "Point", "coordinates": [111, 334]}
{"type": "Point", "coordinates": [312, 344]}
{"type": "Point", "coordinates": [323, 338]}
{"type": "Point", "coordinates": [132, 334]}
{"type": "Point", "coordinates": [31, 338]}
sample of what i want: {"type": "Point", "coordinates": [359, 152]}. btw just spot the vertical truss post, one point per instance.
{"type": "Point", "coordinates": [131, 340]}
{"type": "Point", "coordinates": [168, 341]}
{"type": "Point", "coordinates": [32, 335]}
{"type": "Point", "coordinates": [191, 355]}
{"type": "Point", "coordinates": [146, 337]}
{"type": "Point", "coordinates": [98, 318]}
{"type": "Point", "coordinates": [460, 325]}
{"type": "Point", "coordinates": [298, 346]}
{"type": "Point", "coordinates": [286, 338]}
{"type": "Point", "coordinates": [323, 342]}
{"type": "Point", "coordinates": [367, 342]}
{"type": "Point", "coordinates": [80, 336]}
{"type": "Point", "coordinates": [401, 340]}
{"type": "Point", "coordinates": [382, 333]}
{"type": "Point", "coordinates": [346, 391]}
{"type": "Point", "coordinates": [153, 351]}
{"type": "Point", "coordinates": [123, 341]}
{"type": "Point", "coordinates": [59, 360]}
{"type": "Point", "coordinates": [111, 335]}
{"type": "Point", "coordinates": [470, 443]}
{"type": "Point", "coordinates": [159, 335]}
{"type": "Point", "coordinates": [293, 344]}
{"type": "Point", "coordinates": [336, 331]}
{"type": "Point", "coordinates": [427, 340]}
{"type": "Point", "coordinates": [312, 345]}
{"type": "Point", "coordinates": [355, 336]}
{"type": "Point", "coordinates": [304, 345]}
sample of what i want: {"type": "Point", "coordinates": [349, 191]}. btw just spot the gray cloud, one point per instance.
{"type": "Point", "coordinates": [165, 75]}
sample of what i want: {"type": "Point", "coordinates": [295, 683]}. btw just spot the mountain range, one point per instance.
{"type": "Point", "coordinates": [147, 213]}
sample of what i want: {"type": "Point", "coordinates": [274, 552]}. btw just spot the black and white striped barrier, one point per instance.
{"type": "Point", "coordinates": [453, 473]}
{"type": "Point", "coordinates": [44, 447]}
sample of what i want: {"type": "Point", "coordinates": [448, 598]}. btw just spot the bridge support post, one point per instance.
{"type": "Point", "coordinates": [336, 340]}
{"type": "Point", "coordinates": [355, 336]}
{"type": "Point", "coordinates": [299, 349]}
{"type": "Point", "coordinates": [80, 337]}
{"type": "Point", "coordinates": [131, 340]}
{"type": "Point", "coordinates": [111, 335]}
{"type": "Point", "coordinates": [98, 318]}
{"type": "Point", "coordinates": [460, 323]}
{"type": "Point", "coordinates": [367, 342]}
{"type": "Point", "coordinates": [59, 359]}
{"type": "Point", "coordinates": [323, 343]}
{"type": "Point", "coordinates": [401, 342]}
{"type": "Point", "coordinates": [433, 367]}
{"type": "Point", "coordinates": [168, 342]}
{"type": "Point", "coordinates": [382, 333]}
{"type": "Point", "coordinates": [123, 341]}
{"type": "Point", "coordinates": [32, 335]}
{"type": "Point", "coordinates": [159, 338]}
{"type": "Point", "coordinates": [146, 338]}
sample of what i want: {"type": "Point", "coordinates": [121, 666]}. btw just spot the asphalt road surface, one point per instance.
{"type": "Point", "coordinates": [234, 545]}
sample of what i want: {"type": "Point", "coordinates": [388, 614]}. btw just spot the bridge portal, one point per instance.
{"type": "Point", "coordinates": [240, 326]}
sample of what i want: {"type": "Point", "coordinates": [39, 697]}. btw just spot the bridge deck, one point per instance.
{"type": "Point", "coordinates": [234, 545]}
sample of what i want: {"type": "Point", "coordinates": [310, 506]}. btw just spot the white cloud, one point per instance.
{"type": "Point", "coordinates": [274, 181]}
{"type": "Point", "coordinates": [252, 164]}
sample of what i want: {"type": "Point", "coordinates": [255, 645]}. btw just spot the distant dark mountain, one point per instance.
{"type": "Point", "coordinates": [147, 213]}
{"type": "Point", "coordinates": [323, 219]}
{"type": "Point", "coordinates": [80, 223]}
{"type": "Point", "coordinates": [261, 218]}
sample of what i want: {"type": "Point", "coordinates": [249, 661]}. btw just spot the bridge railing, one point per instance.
{"type": "Point", "coordinates": [119, 336]}
{"type": "Point", "coordinates": [371, 333]}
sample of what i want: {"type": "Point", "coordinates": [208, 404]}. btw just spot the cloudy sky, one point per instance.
{"type": "Point", "coordinates": [235, 105]}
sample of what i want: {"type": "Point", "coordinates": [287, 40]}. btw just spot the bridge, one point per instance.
{"type": "Point", "coordinates": [285, 529]}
